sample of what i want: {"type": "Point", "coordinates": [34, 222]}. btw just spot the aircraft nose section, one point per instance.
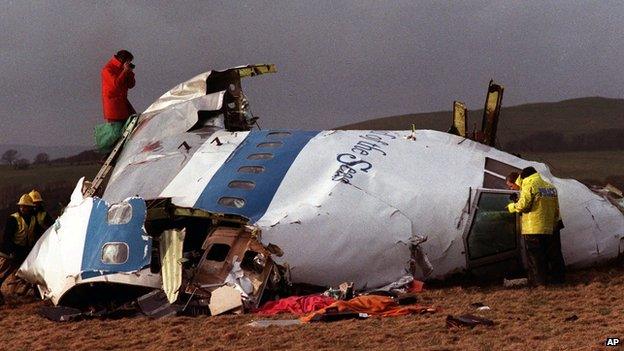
{"type": "Point", "coordinates": [90, 239]}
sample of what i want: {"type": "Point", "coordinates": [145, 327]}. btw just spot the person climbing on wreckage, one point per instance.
{"type": "Point", "coordinates": [541, 224]}
{"type": "Point", "coordinates": [117, 78]}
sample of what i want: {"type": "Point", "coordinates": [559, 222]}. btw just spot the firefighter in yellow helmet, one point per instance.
{"type": "Point", "coordinates": [44, 220]}
{"type": "Point", "coordinates": [19, 237]}
{"type": "Point", "coordinates": [539, 205]}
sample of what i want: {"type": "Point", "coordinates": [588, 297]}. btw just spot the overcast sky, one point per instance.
{"type": "Point", "coordinates": [338, 62]}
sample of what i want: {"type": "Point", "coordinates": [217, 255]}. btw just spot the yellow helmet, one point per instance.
{"type": "Point", "coordinates": [35, 196]}
{"type": "Point", "coordinates": [25, 200]}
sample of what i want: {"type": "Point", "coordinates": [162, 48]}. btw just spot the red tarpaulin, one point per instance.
{"type": "Point", "coordinates": [296, 305]}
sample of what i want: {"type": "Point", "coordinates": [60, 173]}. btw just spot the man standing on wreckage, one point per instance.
{"type": "Point", "coordinates": [539, 205]}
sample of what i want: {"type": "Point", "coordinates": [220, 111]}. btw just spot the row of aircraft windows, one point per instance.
{"type": "Point", "coordinates": [237, 202]}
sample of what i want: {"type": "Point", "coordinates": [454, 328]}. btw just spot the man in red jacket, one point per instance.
{"type": "Point", "coordinates": [117, 78]}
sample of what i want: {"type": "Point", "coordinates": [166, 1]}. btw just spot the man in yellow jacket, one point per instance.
{"type": "Point", "coordinates": [539, 205]}
{"type": "Point", "coordinates": [44, 220]}
{"type": "Point", "coordinates": [19, 238]}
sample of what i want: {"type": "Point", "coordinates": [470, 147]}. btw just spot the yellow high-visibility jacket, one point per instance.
{"type": "Point", "coordinates": [25, 235]}
{"type": "Point", "coordinates": [538, 204]}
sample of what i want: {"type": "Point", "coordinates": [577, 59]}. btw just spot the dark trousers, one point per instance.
{"type": "Point", "coordinates": [544, 259]}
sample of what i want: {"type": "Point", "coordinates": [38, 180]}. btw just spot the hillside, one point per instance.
{"type": "Point", "coordinates": [569, 125]}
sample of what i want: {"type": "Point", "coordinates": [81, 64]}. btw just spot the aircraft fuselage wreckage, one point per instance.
{"type": "Point", "coordinates": [201, 207]}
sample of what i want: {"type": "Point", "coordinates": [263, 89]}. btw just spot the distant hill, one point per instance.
{"type": "Point", "coordinates": [592, 123]}
{"type": "Point", "coordinates": [30, 151]}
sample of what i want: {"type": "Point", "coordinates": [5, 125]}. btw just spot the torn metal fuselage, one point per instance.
{"type": "Point", "coordinates": [341, 205]}
{"type": "Point", "coordinates": [218, 250]}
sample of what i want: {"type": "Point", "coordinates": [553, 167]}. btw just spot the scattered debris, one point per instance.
{"type": "Point", "coordinates": [409, 298]}
{"type": "Point", "coordinates": [333, 315]}
{"type": "Point", "coordinates": [225, 299]}
{"type": "Point", "coordinates": [467, 320]}
{"type": "Point", "coordinates": [572, 318]}
{"type": "Point", "coordinates": [263, 323]}
{"type": "Point", "coordinates": [156, 305]}
{"type": "Point", "coordinates": [413, 135]}
{"type": "Point", "coordinates": [235, 257]}
{"type": "Point", "coordinates": [480, 306]}
{"type": "Point", "coordinates": [515, 283]}
{"type": "Point", "coordinates": [61, 313]}
{"type": "Point", "coordinates": [171, 246]}
{"type": "Point", "coordinates": [404, 285]}
{"type": "Point", "coordinates": [343, 292]}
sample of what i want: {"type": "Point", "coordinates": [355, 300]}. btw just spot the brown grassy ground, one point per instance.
{"type": "Point", "coordinates": [532, 319]}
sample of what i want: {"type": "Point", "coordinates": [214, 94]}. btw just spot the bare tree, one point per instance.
{"type": "Point", "coordinates": [42, 158]}
{"type": "Point", "coordinates": [9, 156]}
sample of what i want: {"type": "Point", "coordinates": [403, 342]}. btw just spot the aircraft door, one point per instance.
{"type": "Point", "coordinates": [492, 236]}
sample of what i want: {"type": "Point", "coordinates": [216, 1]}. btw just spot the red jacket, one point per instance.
{"type": "Point", "coordinates": [115, 84]}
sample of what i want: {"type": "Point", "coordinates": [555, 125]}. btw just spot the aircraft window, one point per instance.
{"type": "Point", "coordinates": [115, 253]}
{"type": "Point", "coordinates": [278, 135]}
{"type": "Point", "coordinates": [119, 213]}
{"type": "Point", "coordinates": [270, 144]}
{"type": "Point", "coordinates": [242, 184]}
{"type": "Point", "coordinates": [251, 169]}
{"type": "Point", "coordinates": [499, 167]}
{"type": "Point", "coordinates": [232, 202]}
{"type": "Point", "coordinates": [491, 181]}
{"type": "Point", "coordinates": [493, 229]}
{"type": "Point", "coordinates": [218, 252]}
{"type": "Point", "coordinates": [494, 168]}
{"type": "Point", "coordinates": [260, 156]}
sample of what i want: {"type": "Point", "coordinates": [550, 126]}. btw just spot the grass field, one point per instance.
{"type": "Point", "coordinates": [39, 175]}
{"type": "Point", "coordinates": [579, 315]}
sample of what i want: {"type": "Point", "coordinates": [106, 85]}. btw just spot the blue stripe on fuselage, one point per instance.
{"type": "Point", "coordinates": [257, 200]}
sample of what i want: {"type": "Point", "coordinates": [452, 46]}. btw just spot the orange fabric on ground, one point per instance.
{"type": "Point", "coordinates": [374, 305]}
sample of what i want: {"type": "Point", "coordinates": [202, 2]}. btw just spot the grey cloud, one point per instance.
{"type": "Point", "coordinates": [338, 62]}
